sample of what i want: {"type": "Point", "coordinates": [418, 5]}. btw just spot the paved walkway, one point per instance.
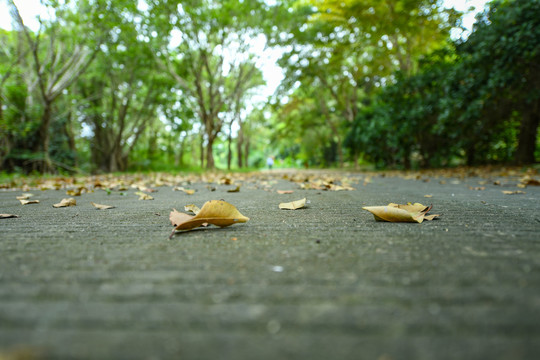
{"type": "Point", "coordinates": [324, 282]}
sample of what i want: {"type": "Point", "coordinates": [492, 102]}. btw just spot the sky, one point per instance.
{"type": "Point", "coordinates": [30, 9]}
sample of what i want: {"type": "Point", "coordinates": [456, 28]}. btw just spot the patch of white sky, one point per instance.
{"type": "Point", "coordinates": [30, 10]}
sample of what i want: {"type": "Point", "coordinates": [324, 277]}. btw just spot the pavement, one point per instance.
{"type": "Point", "coordinates": [323, 282]}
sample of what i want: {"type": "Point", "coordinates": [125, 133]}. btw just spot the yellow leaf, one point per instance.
{"type": "Point", "coordinates": [26, 202]}
{"type": "Point", "coordinates": [293, 205]}
{"type": "Point", "coordinates": [65, 203]}
{"type": "Point", "coordinates": [101, 207]}
{"type": "Point", "coordinates": [215, 212]}
{"type": "Point", "coordinates": [143, 196]}
{"type": "Point", "coordinates": [401, 213]}
{"type": "Point", "coordinates": [237, 189]}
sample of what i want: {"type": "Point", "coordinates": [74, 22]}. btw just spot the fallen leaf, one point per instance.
{"type": "Point", "coordinates": [508, 192]}
{"type": "Point", "coordinates": [26, 202]}
{"type": "Point", "coordinates": [25, 196]}
{"type": "Point", "coordinates": [76, 192]}
{"type": "Point", "coordinates": [293, 205]}
{"type": "Point", "coordinates": [529, 181]}
{"type": "Point", "coordinates": [187, 191]}
{"type": "Point", "coordinates": [101, 207]}
{"type": "Point", "coordinates": [215, 212]}
{"type": "Point", "coordinates": [177, 217]}
{"type": "Point", "coordinates": [7, 216]}
{"type": "Point", "coordinates": [478, 188]}
{"type": "Point", "coordinates": [143, 196]}
{"type": "Point", "coordinates": [237, 189]}
{"type": "Point", "coordinates": [428, 196]}
{"type": "Point", "coordinates": [193, 208]}
{"type": "Point", "coordinates": [401, 213]}
{"type": "Point", "coordinates": [65, 203]}
{"type": "Point", "coordinates": [285, 192]}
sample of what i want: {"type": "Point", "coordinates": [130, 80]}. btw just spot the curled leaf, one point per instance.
{"type": "Point", "coordinates": [65, 203]}
{"type": "Point", "coordinates": [215, 212]}
{"type": "Point", "coordinates": [101, 207]}
{"type": "Point", "coordinates": [401, 213]}
{"type": "Point", "coordinates": [293, 205]}
{"type": "Point", "coordinates": [236, 189]}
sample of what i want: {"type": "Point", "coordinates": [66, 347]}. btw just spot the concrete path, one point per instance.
{"type": "Point", "coordinates": [324, 282]}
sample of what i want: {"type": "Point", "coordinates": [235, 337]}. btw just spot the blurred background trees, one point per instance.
{"type": "Point", "coordinates": [107, 86]}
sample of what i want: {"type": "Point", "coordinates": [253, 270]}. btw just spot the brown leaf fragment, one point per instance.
{"type": "Point", "coordinates": [143, 196]}
{"type": "Point", "coordinates": [477, 188]}
{"type": "Point", "coordinates": [7, 216]}
{"type": "Point", "coordinates": [293, 205]}
{"type": "Point", "coordinates": [65, 203]}
{"type": "Point", "coordinates": [101, 207]}
{"type": "Point", "coordinates": [401, 213]}
{"type": "Point", "coordinates": [235, 190]}
{"type": "Point", "coordinates": [215, 212]}
{"type": "Point", "coordinates": [281, 192]}
{"type": "Point", "coordinates": [508, 192]}
{"type": "Point", "coordinates": [177, 217]}
{"type": "Point", "coordinates": [26, 202]}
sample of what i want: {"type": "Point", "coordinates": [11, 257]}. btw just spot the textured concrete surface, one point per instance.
{"type": "Point", "coordinates": [324, 282]}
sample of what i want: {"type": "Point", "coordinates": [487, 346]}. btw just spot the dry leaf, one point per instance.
{"type": "Point", "coordinates": [25, 196]}
{"type": "Point", "coordinates": [143, 196]}
{"type": "Point", "coordinates": [187, 191]}
{"type": "Point", "coordinates": [76, 192]}
{"type": "Point", "coordinates": [401, 213]}
{"type": "Point", "coordinates": [285, 192]}
{"type": "Point", "coordinates": [237, 189]}
{"type": "Point", "coordinates": [7, 216]}
{"type": "Point", "coordinates": [478, 188]}
{"type": "Point", "coordinates": [65, 203]}
{"type": "Point", "coordinates": [177, 217]}
{"type": "Point", "coordinates": [101, 207]}
{"type": "Point", "coordinates": [528, 181]}
{"type": "Point", "coordinates": [293, 205]}
{"type": "Point", "coordinates": [215, 212]}
{"type": "Point", "coordinates": [428, 196]}
{"type": "Point", "coordinates": [193, 208]}
{"type": "Point", "coordinates": [508, 192]}
{"type": "Point", "coordinates": [26, 202]}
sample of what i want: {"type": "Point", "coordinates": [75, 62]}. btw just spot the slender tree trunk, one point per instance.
{"type": "Point", "coordinates": [229, 147]}
{"type": "Point", "coordinates": [210, 165]}
{"type": "Point", "coordinates": [528, 133]}
{"type": "Point", "coordinates": [246, 152]}
{"type": "Point", "coordinates": [44, 138]}
{"type": "Point", "coordinates": [239, 147]}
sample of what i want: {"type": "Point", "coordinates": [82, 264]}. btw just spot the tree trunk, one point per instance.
{"type": "Point", "coordinates": [210, 165]}
{"type": "Point", "coordinates": [44, 138]}
{"type": "Point", "coordinates": [528, 133]}
{"type": "Point", "coordinates": [246, 152]}
{"type": "Point", "coordinates": [239, 147]}
{"type": "Point", "coordinates": [229, 147]}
